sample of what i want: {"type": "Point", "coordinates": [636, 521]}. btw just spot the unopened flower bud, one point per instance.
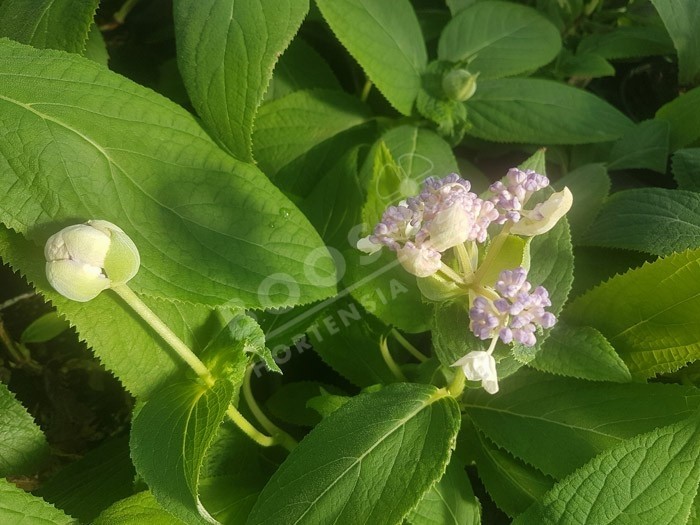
{"type": "Point", "coordinates": [459, 84]}
{"type": "Point", "coordinates": [84, 259]}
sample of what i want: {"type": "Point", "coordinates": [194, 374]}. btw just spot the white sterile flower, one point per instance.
{"type": "Point", "coordinates": [449, 227]}
{"type": "Point", "coordinates": [366, 245]}
{"type": "Point", "coordinates": [480, 366]}
{"type": "Point", "coordinates": [545, 215]}
{"type": "Point", "coordinates": [421, 261]}
{"type": "Point", "coordinates": [84, 259]}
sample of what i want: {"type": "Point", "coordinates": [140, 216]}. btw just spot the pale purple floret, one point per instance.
{"type": "Point", "coordinates": [510, 198]}
{"type": "Point", "coordinates": [443, 215]}
{"type": "Point", "coordinates": [516, 314]}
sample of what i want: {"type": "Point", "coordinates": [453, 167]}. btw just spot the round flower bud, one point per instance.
{"type": "Point", "coordinates": [459, 84]}
{"type": "Point", "coordinates": [84, 259]}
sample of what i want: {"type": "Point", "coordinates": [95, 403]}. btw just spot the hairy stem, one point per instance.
{"type": "Point", "coordinates": [408, 346]}
{"type": "Point", "coordinates": [386, 355]}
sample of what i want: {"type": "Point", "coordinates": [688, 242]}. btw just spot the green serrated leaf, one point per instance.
{"type": "Point", "coordinates": [513, 253]}
{"type": "Point", "coordinates": [649, 314]}
{"type": "Point", "coordinates": [679, 17]}
{"type": "Point", "coordinates": [22, 443]}
{"type": "Point", "coordinates": [137, 509]}
{"type": "Point", "coordinates": [627, 42]}
{"type": "Point", "coordinates": [686, 169]}
{"type": "Point", "coordinates": [326, 404]}
{"type": "Point", "coordinates": [389, 447]}
{"type": "Point", "coordinates": [651, 220]}
{"type": "Point", "coordinates": [334, 205]}
{"type": "Point", "coordinates": [682, 113]}
{"type": "Point", "coordinates": [289, 402]}
{"type": "Point", "coordinates": [512, 484]}
{"type": "Point", "coordinates": [95, 48]}
{"type": "Point", "coordinates": [226, 51]}
{"type": "Point", "coordinates": [54, 24]}
{"type": "Point", "coordinates": [386, 39]}
{"type": "Point", "coordinates": [499, 39]}
{"type": "Point", "coordinates": [154, 173]}
{"type": "Point", "coordinates": [286, 128]}
{"type": "Point", "coordinates": [451, 336]}
{"type": "Point", "coordinates": [170, 437]}
{"type": "Point", "coordinates": [557, 424]}
{"type": "Point", "coordinates": [643, 147]}
{"type": "Point", "coordinates": [450, 501]}
{"type": "Point", "coordinates": [582, 65]}
{"type": "Point", "coordinates": [581, 352]}
{"type": "Point", "coordinates": [44, 328]}
{"type": "Point", "coordinates": [90, 485]}
{"type": "Point", "coordinates": [347, 339]}
{"type": "Point", "coordinates": [300, 68]}
{"type": "Point", "coordinates": [652, 478]}
{"type": "Point", "coordinates": [230, 498]}
{"type": "Point", "coordinates": [381, 285]}
{"type": "Point", "coordinates": [125, 345]}
{"type": "Point", "coordinates": [590, 185]}
{"type": "Point", "coordinates": [412, 155]}
{"type": "Point", "coordinates": [528, 110]}
{"type": "Point", "coordinates": [15, 504]}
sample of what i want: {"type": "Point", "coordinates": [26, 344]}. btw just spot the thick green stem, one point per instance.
{"type": "Point", "coordinates": [124, 10]}
{"type": "Point", "coordinates": [249, 430]}
{"type": "Point", "coordinates": [408, 346]}
{"type": "Point", "coordinates": [457, 385]}
{"type": "Point", "coordinates": [494, 250]}
{"type": "Point", "coordinates": [365, 90]}
{"type": "Point", "coordinates": [386, 355]}
{"type": "Point", "coordinates": [279, 435]}
{"type": "Point", "coordinates": [182, 350]}
{"type": "Point", "coordinates": [465, 262]}
{"type": "Point", "coordinates": [450, 273]}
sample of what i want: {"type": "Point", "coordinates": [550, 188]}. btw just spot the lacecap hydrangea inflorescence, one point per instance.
{"type": "Point", "coordinates": [447, 221]}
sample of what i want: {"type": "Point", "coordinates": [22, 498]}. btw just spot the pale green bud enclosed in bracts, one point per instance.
{"type": "Point", "coordinates": [459, 84]}
{"type": "Point", "coordinates": [84, 259]}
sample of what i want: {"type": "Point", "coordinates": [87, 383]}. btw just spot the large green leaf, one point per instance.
{"type": "Point", "coordinates": [450, 501]}
{"type": "Point", "coordinates": [651, 220]}
{"type": "Point", "coordinates": [125, 345]}
{"type": "Point", "coordinates": [541, 112]}
{"type": "Point", "coordinates": [649, 314]}
{"type": "Point", "coordinates": [501, 38]}
{"type": "Point", "coordinates": [417, 153]}
{"type": "Point", "coordinates": [88, 486]}
{"type": "Point", "coordinates": [686, 169]}
{"type": "Point", "coordinates": [385, 289]}
{"type": "Point", "coordinates": [627, 42]}
{"type": "Point", "coordinates": [590, 185]}
{"type": "Point", "coordinates": [652, 478]}
{"type": "Point", "coordinates": [153, 172]}
{"type": "Point", "coordinates": [22, 443]}
{"type": "Point", "coordinates": [226, 50]}
{"type": "Point", "coordinates": [299, 68]}
{"type": "Point", "coordinates": [682, 113]}
{"type": "Point", "coordinates": [557, 424]}
{"type": "Point", "coordinates": [582, 352]}
{"type": "Point", "coordinates": [286, 128]}
{"type": "Point", "coordinates": [137, 509]}
{"type": "Point", "coordinates": [680, 17]}
{"type": "Point", "coordinates": [55, 24]}
{"type": "Point", "coordinates": [170, 437]}
{"type": "Point", "coordinates": [385, 38]}
{"type": "Point", "coordinates": [512, 484]}
{"type": "Point", "coordinates": [17, 506]}
{"type": "Point", "coordinates": [370, 461]}
{"type": "Point", "coordinates": [645, 146]}
{"type": "Point", "coordinates": [347, 339]}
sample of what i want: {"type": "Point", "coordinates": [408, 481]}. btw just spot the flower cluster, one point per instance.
{"type": "Point", "coordinates": [515, 314]}
{"type": "Point", "coordinates": [445, 214]}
